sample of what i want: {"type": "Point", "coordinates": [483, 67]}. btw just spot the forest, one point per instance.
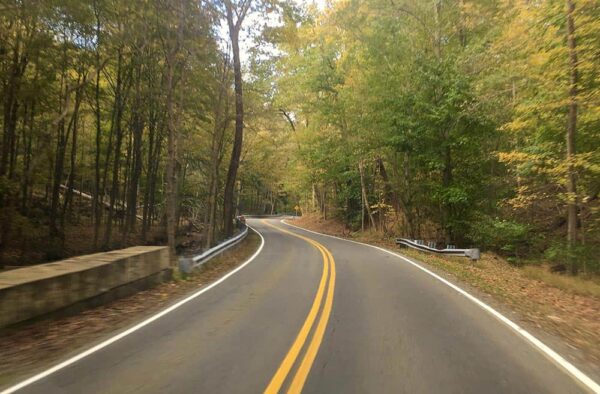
{"type": "Point", "coordinates": [474, 123]}
{"type": "Point", "coordinates": [466, 122]}
{"type": "Point", "coordinates": [120, 125]}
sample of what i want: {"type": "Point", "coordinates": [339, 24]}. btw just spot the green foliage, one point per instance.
{"type": "Point", "coordinates": [578, 258]}
{"type": "Point", "coordinates": [508, 237]}
{"type": "Point", "coordinates": [92, 92]}
{"type": "Point", "coordinates": [466, 117]}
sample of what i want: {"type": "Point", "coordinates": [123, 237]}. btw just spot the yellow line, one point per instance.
{"type": "Point", "coordinates": [313, 348]}
{"type": "Point", "coordinates": [292, 354]}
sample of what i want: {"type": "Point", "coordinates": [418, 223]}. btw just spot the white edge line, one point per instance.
{"type": "Point", "coordinates": [546, 350]}
{"type": "Point", "coordinates": [133, 329]}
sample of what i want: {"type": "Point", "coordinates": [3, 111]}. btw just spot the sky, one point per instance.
{"type": "Point", "coordinates": [246, 41]}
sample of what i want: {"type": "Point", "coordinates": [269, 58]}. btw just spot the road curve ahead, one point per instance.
{"type": "Point", "coordinates": [317, 314]}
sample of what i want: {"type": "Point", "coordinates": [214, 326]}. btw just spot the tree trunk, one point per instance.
{"type": "Point", "coordinates": [364, 195]}
{"type": "Point", "coordinates": [11, 102]}
{"type": "Point", "coordinates": [27, 159]}
{"type": "Point", "coordinates": [137, 124]}
{"type": "Point", "coordinates": [59, 157]}
{"type": "Point", "coordinates": [234, 30]}
{"type": "Point", "coordinates": [116, 126]}
{"type": "Point", "coordinates": [221, 123]}
{"type": "Point", "coordinates": [96, 207]}
{"type": "Point", "coordinates": [73, 160]}
{"type": "Point", "coordinates": [171, 160]}
{"type": "Point", "coordinates": [154, 139]}
{"type": "Point", "coordinates": [390, 194]}
{"type": "Point", "coordinates": [571, 126]}
{"type": "Point", "coordinates": [446, 182]}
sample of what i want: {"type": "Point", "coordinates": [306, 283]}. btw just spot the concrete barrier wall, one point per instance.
{"type": "Point", "coordinates": [29, 292]}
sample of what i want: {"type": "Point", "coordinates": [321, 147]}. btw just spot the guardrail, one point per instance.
{"type": "Point", "coordinates": [472, 253]}
{"type": "Point", "coordinates": [266, 216]}
{"type": "Point", "coordinates": [188, 264]}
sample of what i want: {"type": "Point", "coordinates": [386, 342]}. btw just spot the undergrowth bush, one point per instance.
{"type": "Point", "coordinates": [576, 259]}
{"type": "Point", "coordinates": [507, 237]}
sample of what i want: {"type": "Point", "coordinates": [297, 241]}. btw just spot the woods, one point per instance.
{"type": "Point", "coordinates": [116, 124]}
{"type": "Point", "coordinates": [139, 136]}
{"type": "Point", "coordinates": [456, 121]}
{"type": "Point", "coordinates": [462, 122]}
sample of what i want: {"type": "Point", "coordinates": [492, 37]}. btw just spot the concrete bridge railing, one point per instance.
{"type": "Point", "coordinates": [33, 291]}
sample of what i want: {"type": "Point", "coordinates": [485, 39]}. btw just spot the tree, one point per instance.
{"type": "Point", "coordinates": [571, 125]}
{"type": "Point", "coordinates": [90, 92]}
{"type": "Point", "coordinates": [446, 148]}
{"type": "Point", "coordinates": [235, 14]}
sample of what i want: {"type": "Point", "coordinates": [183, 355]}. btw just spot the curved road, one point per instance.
{"type": "Point", "coordinates": [319, 315]}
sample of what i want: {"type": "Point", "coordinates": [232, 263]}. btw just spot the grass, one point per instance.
{"type": "Point", "coordinates": [583, 285]}
{"type": "Point", "coordinates": [573, 284]}
{"type": "Point", "coordinates": [579, 285]}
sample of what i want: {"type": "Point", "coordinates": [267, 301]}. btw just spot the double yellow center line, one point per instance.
{"type": "Point", "coordinates": [324, 294]}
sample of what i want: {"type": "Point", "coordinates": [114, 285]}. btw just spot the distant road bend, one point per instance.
{"type": "Point", "coordinates": [317, 314]}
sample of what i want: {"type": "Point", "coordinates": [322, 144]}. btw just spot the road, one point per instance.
{"type": "Point", "coordinates": [319, 315]}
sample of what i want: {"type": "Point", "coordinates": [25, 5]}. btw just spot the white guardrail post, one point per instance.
{"type": "Point", "coordinates": [472, 253]}
{"type": "Point", "coordinates": [188, 264]}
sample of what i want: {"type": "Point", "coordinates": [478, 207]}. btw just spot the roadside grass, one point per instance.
{"type": "Point", "coordinates": [585, 286]}
{"type": "Point", "coordinates": [462, 268]}
{"type": "Point", "coordinates": [459, 267]}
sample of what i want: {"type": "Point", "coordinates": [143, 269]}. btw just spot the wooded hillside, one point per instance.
{"type": "Point", "coordinates": [457, 121]}
{"type": "Point", "coordinates": [117, 124]}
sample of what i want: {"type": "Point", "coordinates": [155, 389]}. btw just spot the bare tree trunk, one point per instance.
{"type": "Point", "coordinates": [27, 159]}
{"type": "Point", "coordinates": [446, 181]}
{"type": "Point", "coordinates": [234, 31]}
{"type": "Point", "coordinates": [572, 127]}
{"type": "Point", "coordinates": [362, 210]}
{"type": "Point", "coordinates": [172, 157]}
{"type": "Point", "coordinates": [59, 157]}
{"type": "Point", "coordinates": [73, 161]}
{"type": "Point", "coordinates": [364, 194]}
{"type": "Point", "coordinates": [137, 124]}
{"type": "Point", "coordinates": [221, 124]}
{"type": "Point", "coordinates": [96, 207]}
{"type": "Point", "coordinates": [154, 148]}
{"type": "Point", "coordinates": [124, 206]}
{"type": "Point", "coordinates": [116, 126]}
{"type": "Point", "coordinates": [390, 194]}
{"type": "Point", "coordinates": [11, 103]}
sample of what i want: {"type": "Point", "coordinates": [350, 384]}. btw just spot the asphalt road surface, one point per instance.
{"type": "Point", "coordinates": [319, 315]}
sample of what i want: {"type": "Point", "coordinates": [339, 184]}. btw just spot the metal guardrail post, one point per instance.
{"type": "Point", "coordinates": [186, 265]}
{"type": "Point", "coordinates": [474, 254]}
